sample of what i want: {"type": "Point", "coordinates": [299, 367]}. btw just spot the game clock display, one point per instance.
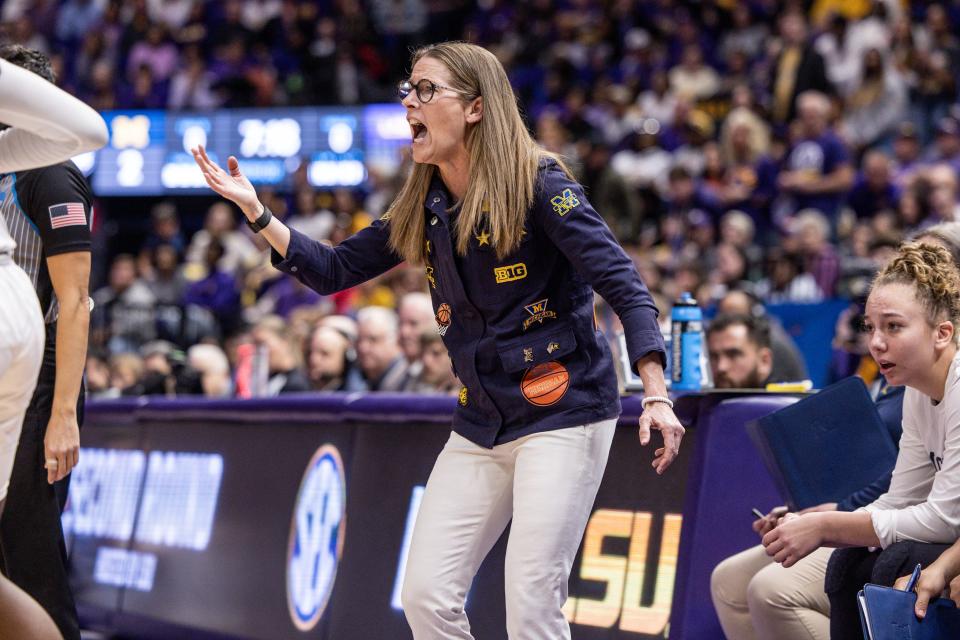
{"type": "Point", "coordinates": [149, 151]}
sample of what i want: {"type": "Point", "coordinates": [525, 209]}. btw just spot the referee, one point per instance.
{"type": "Point", "coordinates": [47, 211]}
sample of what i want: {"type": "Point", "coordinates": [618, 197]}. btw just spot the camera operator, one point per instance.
{"type": "Point", "coordinates": [166, 372]}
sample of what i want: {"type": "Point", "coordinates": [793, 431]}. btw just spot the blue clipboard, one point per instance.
{"type": "Point", "coordinates": [887, 614]}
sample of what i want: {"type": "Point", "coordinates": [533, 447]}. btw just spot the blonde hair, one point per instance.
{"type": "Point", "coordinates": [281, 330]}
{"type": "Point", "coordinates": [208, 358]}
{"type": "Point", "coordinates": [815, 99]}
{"type": "Point", "coordinates": [504, 161]}
{"type": "Point", "coordinates": [930, 270]}
{"type": "Point", "coordinates": [759, 134]}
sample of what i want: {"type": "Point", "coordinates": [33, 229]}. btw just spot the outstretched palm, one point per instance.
{"type": "Point", "coordinates": [233, 185]}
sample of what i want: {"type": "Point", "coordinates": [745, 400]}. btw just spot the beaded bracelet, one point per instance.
{"type": "Point", "coordinates": [650, 399]}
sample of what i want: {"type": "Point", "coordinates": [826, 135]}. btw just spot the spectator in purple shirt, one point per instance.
{"type": "Point", "coordinates": [290, 294]}
{"type": "Point", "coordinates": [217, 291]}
{"type": "Point", "coordinates": [156, 52]}
{"type": "Point", "coordinates": [874, 190]}
{"type": "Point", "coordinates": [811, 231]}
{"type": "Point", "coordinates": [685, 193]}
{"type": "Point", "coordinates": [143, 91]}
{"type": "Point", "coordinates": [76, 18]}
{"type": "Point", "coordinates": [818, 172]}
{"type": "Point", "coordinates": [744, 144]}
{"type": "Point", "coordinates": [906, 154]}
{"type": "Point", "coordinates": [946, 144]}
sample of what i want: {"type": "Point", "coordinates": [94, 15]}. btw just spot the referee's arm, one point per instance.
{"type": "Point", "coordinates": [70, 277]}
{"type": "Point", "coordinates": [58, 201]}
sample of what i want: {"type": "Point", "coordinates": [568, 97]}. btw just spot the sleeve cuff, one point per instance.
{"type": "Point", "coordinates": [642, 344]}
{"type": "Point", "coordinates": [291, 263]}
{"type": "Point", "coordinates": [884, 525]}
{"type": "Point", "coordinates": [643, 335]}
{"type": "Point", "coordinates": [83, 246]}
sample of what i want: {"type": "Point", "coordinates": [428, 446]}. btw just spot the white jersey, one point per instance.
{"type": "Point", "coordinates": [47, 126]}
{"type": "Point", "coordinates": [21, 352]}
{"type": "Point", "coordinates": [923, 502]}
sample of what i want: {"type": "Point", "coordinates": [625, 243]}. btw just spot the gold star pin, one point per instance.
{"type": "Point", "coordinates": [483, 238]}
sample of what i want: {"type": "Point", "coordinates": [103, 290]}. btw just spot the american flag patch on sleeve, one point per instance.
{"type": "Point", "coordinates": [67, 214]}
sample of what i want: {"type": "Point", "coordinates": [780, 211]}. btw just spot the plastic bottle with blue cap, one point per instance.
{"type": "Point", "coordinates": [686, 345]}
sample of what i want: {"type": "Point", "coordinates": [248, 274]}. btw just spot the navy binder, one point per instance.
{"type": "Point", "coordinates": [825, 446]}
{"type": "Point", "coordinates": [887, 614]}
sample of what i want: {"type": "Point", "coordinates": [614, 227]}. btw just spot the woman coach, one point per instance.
{"type": "Point", "coordinates": [511, 249]}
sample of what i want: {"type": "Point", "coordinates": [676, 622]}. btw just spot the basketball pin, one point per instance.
{"type": "Point", "coordinates": [545, 384]}
{"type": "Point", "coordinates": [443, 319]}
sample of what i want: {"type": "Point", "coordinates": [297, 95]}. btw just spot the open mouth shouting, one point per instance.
{"type": "Point", "coordinates": [418, 130]}
{"type": "Point", "coordinates": [885, 366]}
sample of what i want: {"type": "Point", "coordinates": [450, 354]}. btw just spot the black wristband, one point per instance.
{"type": "Point", "coordinates": [260, 223]}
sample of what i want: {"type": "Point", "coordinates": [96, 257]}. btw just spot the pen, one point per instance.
{"type": "Point", "coordinates": [913, 578]}
{"type": "Point", "coordinates": [757, 513]}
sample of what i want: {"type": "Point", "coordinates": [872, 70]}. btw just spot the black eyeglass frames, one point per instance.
{"type": "Point", "coordinates": [425, 89]}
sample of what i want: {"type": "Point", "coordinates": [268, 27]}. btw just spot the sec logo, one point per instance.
{"type": "Point", "coordinates": [316, 537]}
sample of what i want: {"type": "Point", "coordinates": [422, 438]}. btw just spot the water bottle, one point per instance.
{"type": "Point", "coordinates": [686, 345]}
{"type": "Point", "coordinates": [667, 343]}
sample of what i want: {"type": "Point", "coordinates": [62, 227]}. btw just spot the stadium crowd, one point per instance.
{"type": "Point", "coordinates": [780, 149]}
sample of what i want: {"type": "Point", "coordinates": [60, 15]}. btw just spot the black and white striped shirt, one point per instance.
{"type": "Point", "coordinates": [47, 212]}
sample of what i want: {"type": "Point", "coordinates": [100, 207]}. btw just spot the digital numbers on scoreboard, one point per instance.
{"type": "Point", "coordinates": [179, 171]}
{"type": "Point", "coordinates": [130, 163]}
{"type": "Point", "coordinates": [267, 144]}
{"type": "Point", "coordinates": [149, 151]}
{"type": "Point", "coordinates": [338, 157]}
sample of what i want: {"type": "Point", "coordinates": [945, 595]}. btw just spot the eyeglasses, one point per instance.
{"type": "Point", "coordinates": [425, 89]}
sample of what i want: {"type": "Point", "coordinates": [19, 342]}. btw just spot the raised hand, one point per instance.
{"type": "Point", "coordinates": [233, 186]}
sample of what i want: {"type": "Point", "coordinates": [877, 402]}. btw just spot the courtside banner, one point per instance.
{"type": "Point", "coordinates": [291, 518]}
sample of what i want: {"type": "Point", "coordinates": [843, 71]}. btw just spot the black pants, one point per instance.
{"type": "Point", "coordinates": [31, 537]}
{"type": "Point", "coordinates": [850, 569]}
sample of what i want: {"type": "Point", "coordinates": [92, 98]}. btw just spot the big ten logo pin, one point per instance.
{"type": "Point", "coordinates": [510, 273]}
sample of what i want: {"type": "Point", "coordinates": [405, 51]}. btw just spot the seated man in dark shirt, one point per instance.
{"type": "Point", "coordinates": [788, 364]}
{"type": "Point", "coordinates": [740, 353]}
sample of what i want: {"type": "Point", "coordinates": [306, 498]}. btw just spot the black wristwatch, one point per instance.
{"type": "Point", "coordinates": [260, 223]}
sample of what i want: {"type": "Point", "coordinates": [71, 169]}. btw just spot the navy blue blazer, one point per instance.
{"type": "Point", "coordinates": [521, 331]}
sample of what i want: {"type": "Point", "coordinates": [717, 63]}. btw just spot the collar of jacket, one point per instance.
{"type": "Point", "coordinates": [438, 200]}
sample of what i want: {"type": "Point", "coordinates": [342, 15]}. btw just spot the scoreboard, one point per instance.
{"type": "Point", "coordinates": [149, 151]}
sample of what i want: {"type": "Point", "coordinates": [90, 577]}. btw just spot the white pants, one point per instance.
{"type": "Point", "coordinates": [21, 352]}
{"type": "Point", "coordinates": [757, 598]}
{"type": "Point", "coordinates": [547, 483]}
